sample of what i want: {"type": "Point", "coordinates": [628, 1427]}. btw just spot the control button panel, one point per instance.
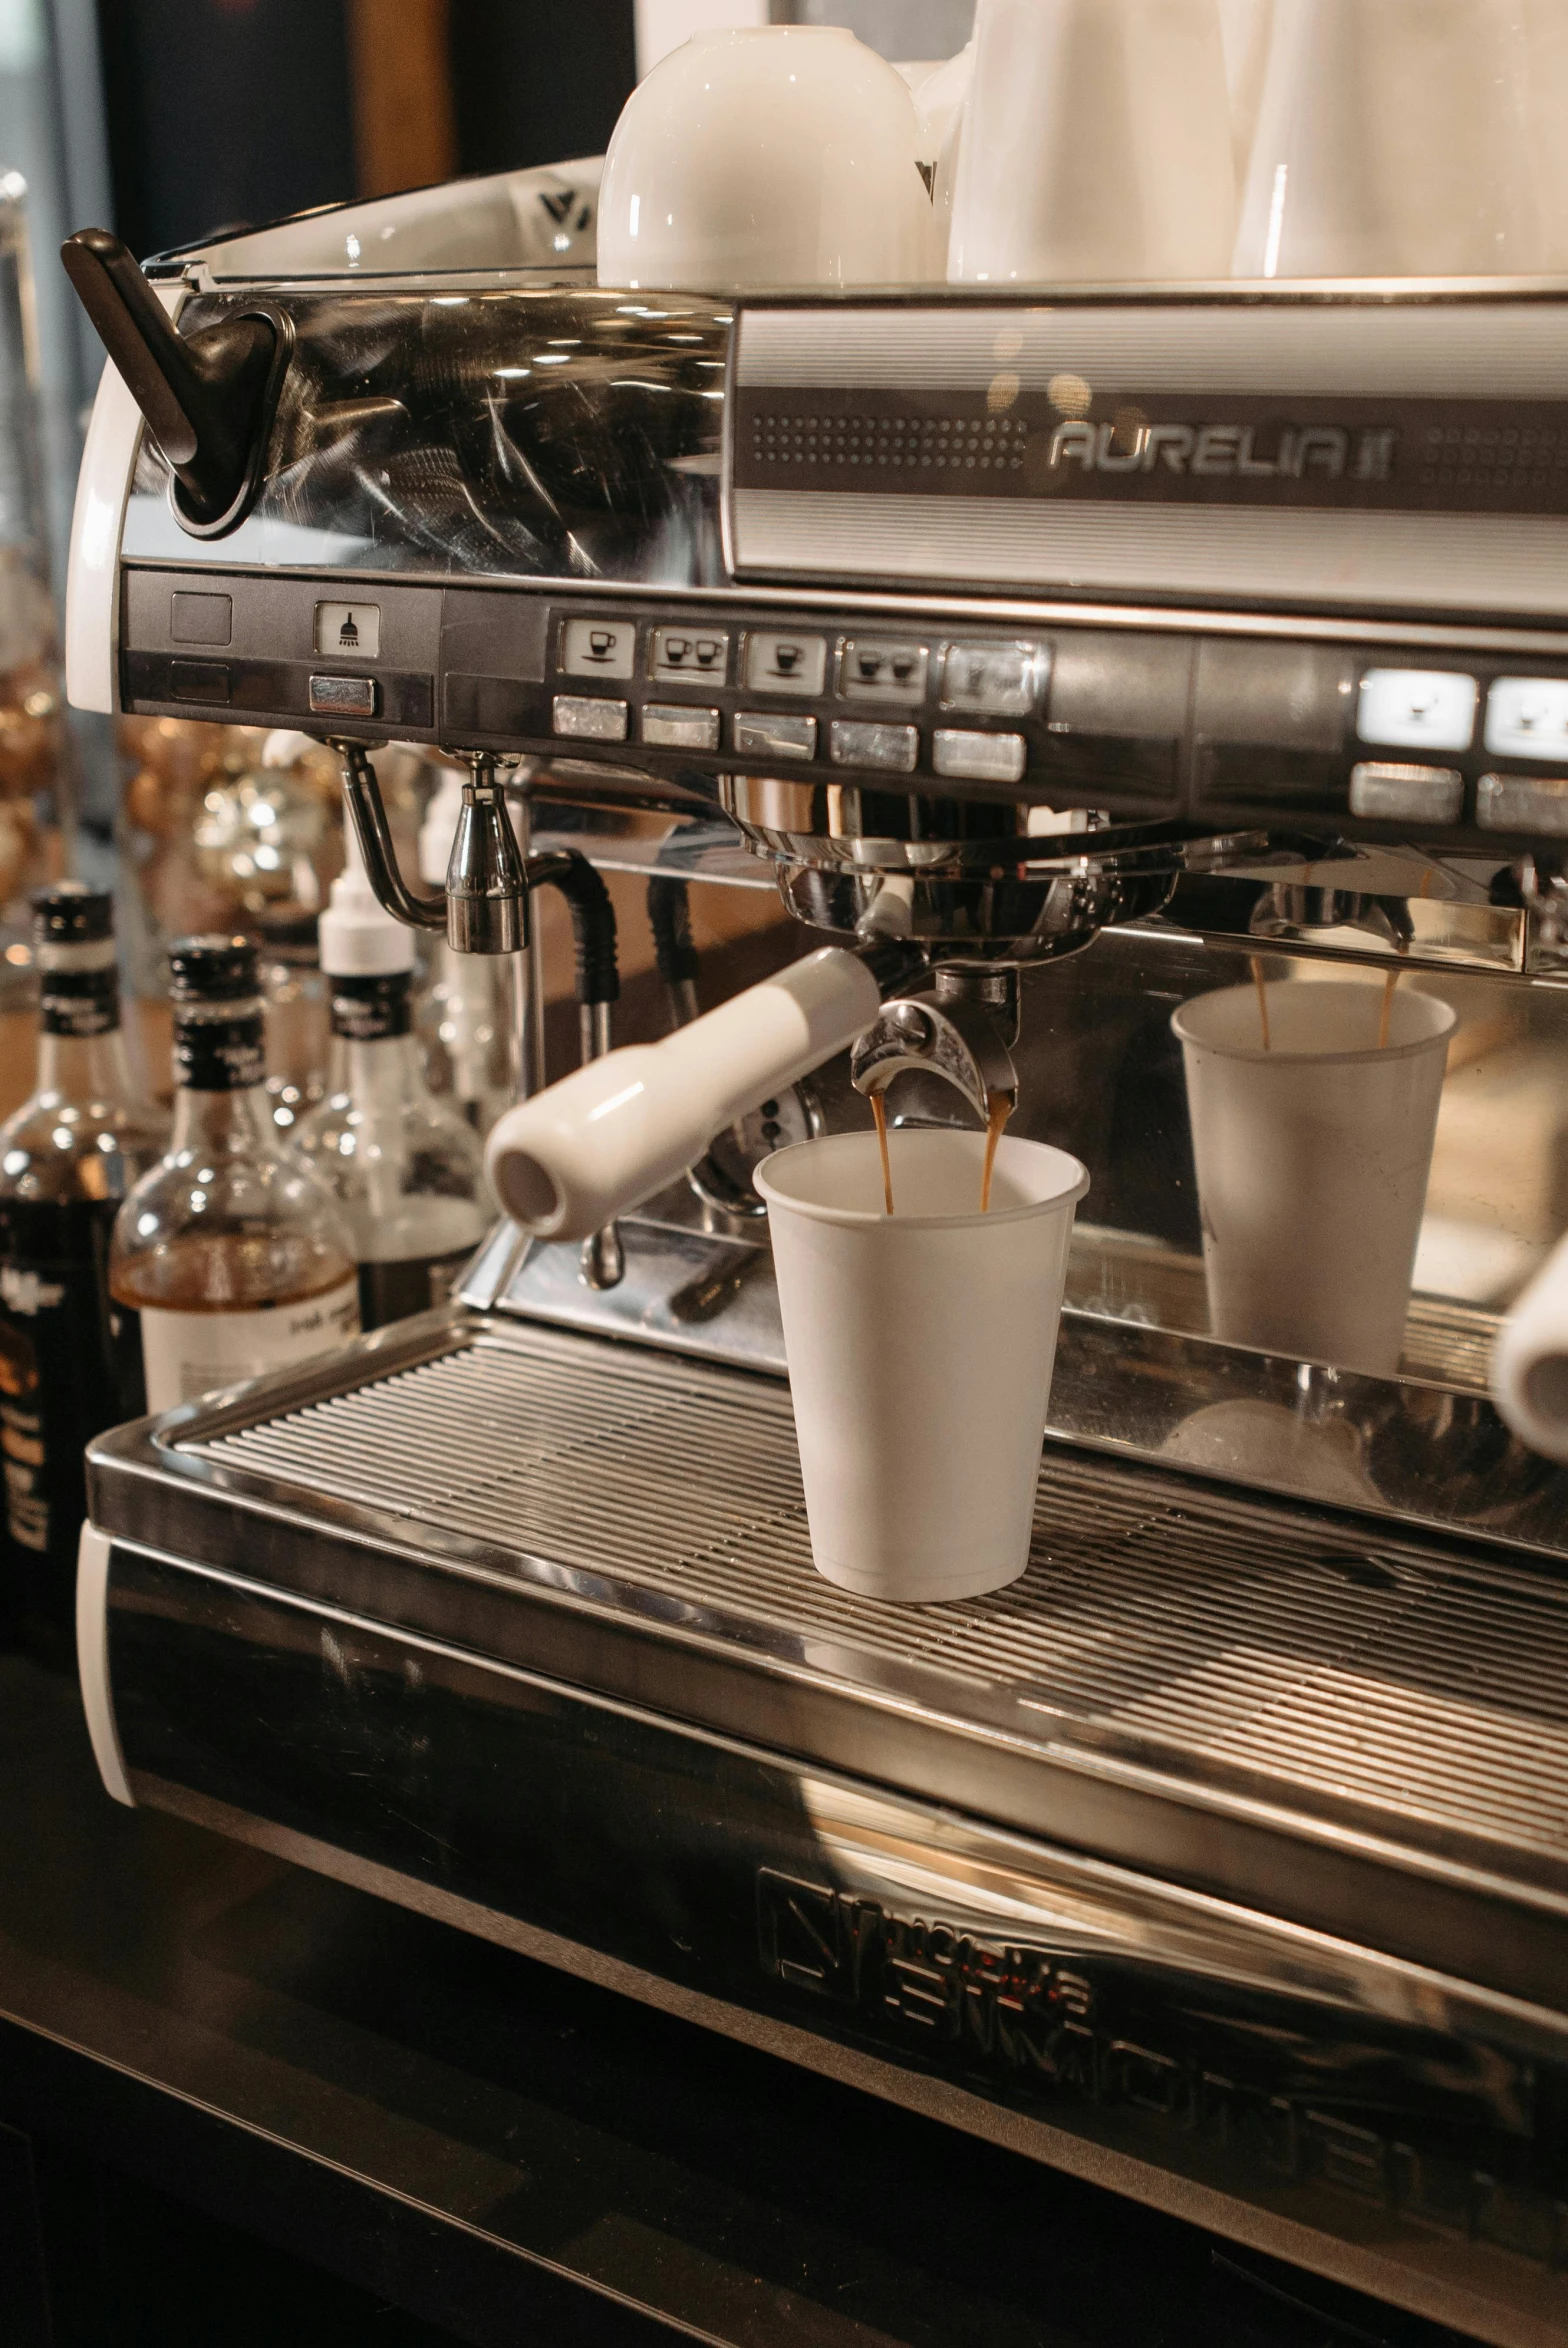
{"type": "Point", "coordinates": [1417, 709]}
{"type": "Point", "coordinates": [1527, 717]}
{"type": "Point", "coordinates": [672, 726]}
{"type": "Point", "coordinates": [339, 696]}
{"type": "Point", "coordinates": [1523, 803]}
{"type": "Point", "coordinates": [881, 668]}
{"type": "Point", "coordinates": [599, 648]}
{"type": "Point", "coordinates": [886, 749]}
{"type": "Point", "coordinates": [1385, 793]}
{"type": "Point", "coordinates": [765, 734]}
{"type": "Point", "coordinates": [778, 662]}
{"type": "Point", "coordinates": [351, 630]}
{"type": "Point", "coordinates": [677, 655]}
{"type": "Point", "coordinates": [978, 758]}
{"type": "Point", "coordinates": [994, 680]}
{"type": "Point", "coordinates": [583, 719]}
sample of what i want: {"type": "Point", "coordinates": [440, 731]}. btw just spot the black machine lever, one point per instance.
{"type": "Point", "coordinates": [208, 397]}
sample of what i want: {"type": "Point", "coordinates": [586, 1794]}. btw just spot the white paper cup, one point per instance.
{"type": "Point", "coordinates": [1312, 1161]}
{"type": "Point", "coordinates": [920, 1349]}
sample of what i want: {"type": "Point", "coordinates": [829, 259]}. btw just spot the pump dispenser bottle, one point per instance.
{"type": "Point", "coordinates": [404, 1166]}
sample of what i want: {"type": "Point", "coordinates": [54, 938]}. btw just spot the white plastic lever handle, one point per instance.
{"type": "Point", "coordinates": [589, 1148]}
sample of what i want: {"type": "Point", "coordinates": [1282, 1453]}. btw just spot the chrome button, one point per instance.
{"type": "Point", "coordinates": [979, 758]}
{"type": "Point", "coordinates": [589, 720]}
{"type": "Point", "coordinates": [1407, 794]}
{"type": "Point", "coordinates": [761, 735]}
{"type": "Point", "coordinates": [892, 749]}
{"type": "Point", "coordinates": [668, 726]}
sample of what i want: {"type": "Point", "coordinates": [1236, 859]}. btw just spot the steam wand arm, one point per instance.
{"type": "Point", "coordinates": [362, 795]}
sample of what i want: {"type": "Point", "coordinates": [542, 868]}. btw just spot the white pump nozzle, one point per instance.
{"type": "Point", "coordinates": [359, 938]}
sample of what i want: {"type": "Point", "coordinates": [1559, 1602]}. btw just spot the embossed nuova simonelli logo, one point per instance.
{"type": "Point", "coordinates": [1039, 2025]}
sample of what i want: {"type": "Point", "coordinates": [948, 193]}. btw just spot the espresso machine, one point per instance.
{"type": "Point", "coordinates": [1063, 657]}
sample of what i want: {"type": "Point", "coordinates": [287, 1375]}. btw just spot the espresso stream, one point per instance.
{"type": "Point", "coordinates": [999, 1106]}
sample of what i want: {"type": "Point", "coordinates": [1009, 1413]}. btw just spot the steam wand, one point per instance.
{"type": "Point", "coordinates": [484, 909]}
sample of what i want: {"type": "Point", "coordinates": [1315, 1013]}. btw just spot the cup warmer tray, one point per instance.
{"type": "Point", "coordinates": [1222, 1859]}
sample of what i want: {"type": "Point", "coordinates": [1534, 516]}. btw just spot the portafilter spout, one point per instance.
{"type": "Point", "coordinates": [955, 1031]}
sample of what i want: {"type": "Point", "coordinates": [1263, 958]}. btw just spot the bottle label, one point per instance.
{"type": "Point", "coordinates": [219, 1055]}
{"type": "Point", "coordinates": [79, 1002]}
{"type": "Point", "coordinates": [368, 1010]}
{"type": "Point", "coordinates": [390, 1292]}
{"type": "Point", "coordinates": [187, 1354]}
{"type": "Point", "coordinates": [70, 1366]}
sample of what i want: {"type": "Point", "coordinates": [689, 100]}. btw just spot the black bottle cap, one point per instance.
{"type": "Point", "coordinates": [212, 969]}
{"type": "Point", "coordinates": [71, 913]}
{"type": "Point", "coordinates": [289, 929]}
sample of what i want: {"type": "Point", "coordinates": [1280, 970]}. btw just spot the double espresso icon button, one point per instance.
{"type": "Point", "coordinates": [676, 655]}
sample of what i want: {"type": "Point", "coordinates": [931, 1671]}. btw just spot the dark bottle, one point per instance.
{"type": "Point", "coordinates": [70, 1359]}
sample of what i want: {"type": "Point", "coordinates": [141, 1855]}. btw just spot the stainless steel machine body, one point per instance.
{"type": "Point", "coordinates": [1120, 639]}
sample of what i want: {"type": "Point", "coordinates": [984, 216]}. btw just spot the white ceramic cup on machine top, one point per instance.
{"type": "Point", "coordinates": [1312, 1159]}
{"type": "Point", "coordinates": [780, 155]}
{"type": "Point", "coordinates": [1406, 138]}
{"type": "Point", "coordinates": [920, 1349]}
{"type": "Point", "coordinates": [1097, 144]}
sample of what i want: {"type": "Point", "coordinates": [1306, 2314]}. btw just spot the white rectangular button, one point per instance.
{"type": "Point", "coordinates": [599, 648]}
{"type": "Point", "coordinates": [761, 735]}
{"type": "Point", "coordinates": [669, 727]}
{"type": "Point", "coordinates": [874, 668]}
{"type": "Point", "coordinates": [994, 680]}
{"type": "Point", "coordinates": [675, 654]}
{"type": "Point", "coordinates": [980, 758]}
{"type": "Point", "coordinates": [1407, 794]}
{"type": "Point", "coordinates": [1527, 717]}
{"type": "Point", "coordinates": [1523, 803]}
{"type": "Point", "coordinates": [1418, 709]}
{"type": "Point", "coordinates": [777, 662]}
{"type": "Point", "coordinates": [893, 749]}
{"type": "Point", "coordinates": [343, 696]}
{"type": "Point", "coordinates": [352, 629]}
{"type": "Point", "coordinates": [585, 720]}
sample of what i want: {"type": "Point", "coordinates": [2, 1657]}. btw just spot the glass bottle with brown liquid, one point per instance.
{"type": "Point", "coordinates": [234, 1253]}
{"type": "Point", "coordinates": [70, 1361]}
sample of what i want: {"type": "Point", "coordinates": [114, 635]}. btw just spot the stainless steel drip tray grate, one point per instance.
{"type": "Point", "coordinates": [1325, 1668]}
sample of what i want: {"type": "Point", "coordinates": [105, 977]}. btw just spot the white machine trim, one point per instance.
{"type": "Point", "coordinates": [92, 1657]}
{"type": "Point", "coordinates": [92, 594]}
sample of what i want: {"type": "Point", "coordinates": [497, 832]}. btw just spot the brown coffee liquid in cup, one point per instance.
{"type": "Point", "coordinates": [999, 1106]}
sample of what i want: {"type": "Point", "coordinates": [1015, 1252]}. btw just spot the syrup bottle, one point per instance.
{"type": "Point", "coordinates": [234, 1253]}
{"type": "Point", "coordinates": [406, 1167]}
{"type": "Point", "coordinates": [70, 1360]}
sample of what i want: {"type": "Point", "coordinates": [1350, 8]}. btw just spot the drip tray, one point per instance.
{"type": "Point", "coordinates": [1365, 1733]}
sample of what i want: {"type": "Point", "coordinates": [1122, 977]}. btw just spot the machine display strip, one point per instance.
{"type": "Point", "coordinates": [1066, 441]}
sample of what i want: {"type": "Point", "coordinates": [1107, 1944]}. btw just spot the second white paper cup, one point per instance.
{"type": "Point", "coordinates": [920, 1350]}
{"type": "Point", "coordinates": [1312, 1161]}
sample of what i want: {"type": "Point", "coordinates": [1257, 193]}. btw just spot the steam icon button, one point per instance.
{"type": "Point", "coordinates": [350, 630]}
